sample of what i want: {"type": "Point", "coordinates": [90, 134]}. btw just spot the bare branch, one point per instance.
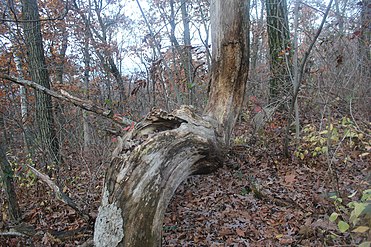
{"type": "Point", "coordinates": [301, 72]}
{"type": "Point", "coordinates": [64, 96]}
{"type": "Point", "coordinates": [58, 192]}
{"type": "Point", "coordinates": [13, 233]}
{"type": "Point", "coordinates": [58, 18]}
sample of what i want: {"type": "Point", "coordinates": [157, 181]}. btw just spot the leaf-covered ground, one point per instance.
{"type": "Point", "coordinates": [258, 198]}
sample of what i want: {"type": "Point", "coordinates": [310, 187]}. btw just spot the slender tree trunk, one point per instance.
{"type": "Point", "coordinates": [365, 38]}
{"type": "Point", "coordinates": [175, 47]}
{"type": "Point", "coordinates": [279, 49]}
{"type": "Point", "coordinates": [39, 73]}
{"type": "Point", "coordinates": [85, 115]}
{"type": "Point", "coordinates": [188, 67]}
{"type": "Point", "coordinates": [6, 176]}
{"type": "Point", "coordinates": [296, 67]}
{"type": "Point", "coordinates": [24, 107]}
{"type": "Point", "coordinates": [300, 77]}
{"type": "Point", "coordinates": [62, 56]}
{"type": "Point", "coordinates": [205, 41]}
{"type": "Point", "coordinates": [156, 47]}
{"type": "Point", "coordinates": [256, 39]}
{"type": "Point", "coordinates": [339, 18]}
{"type": "Point", "coordinates": [164, 149]}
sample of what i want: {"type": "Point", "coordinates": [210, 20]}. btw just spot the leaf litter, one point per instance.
{"type": "Point", "coordinates": [258, 198]}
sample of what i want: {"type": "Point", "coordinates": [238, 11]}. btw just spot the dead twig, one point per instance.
{"type": "Point", "coordinates": [59, 193]}
{"type": "Point", "coordinates": [64, 96]}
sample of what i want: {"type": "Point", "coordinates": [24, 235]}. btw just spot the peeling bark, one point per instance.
{"type": "Point", "coordinates": [148, 165]}
{"type": "Point", "coordinates": [152, 160]}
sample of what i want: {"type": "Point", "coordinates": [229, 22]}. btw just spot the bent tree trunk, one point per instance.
{"type": "Point", "coordinates": [160, 152]}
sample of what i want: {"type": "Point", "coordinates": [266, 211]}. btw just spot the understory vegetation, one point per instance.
{"type": "Point", "coordinates": [114, 61]}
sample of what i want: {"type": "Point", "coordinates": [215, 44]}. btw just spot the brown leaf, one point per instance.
{"type": "Point", "coordinates": [225, 231]}
{"type": "Point", "coordinates": [240, 232]}
{"type": "Point", "coordinates": [289, 179]}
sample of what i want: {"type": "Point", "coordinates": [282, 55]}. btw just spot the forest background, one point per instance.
{"type": "Point", "coordinates": [120, 59]}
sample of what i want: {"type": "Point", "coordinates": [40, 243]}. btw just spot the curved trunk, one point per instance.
{"type": "Point", "coordinates": [148, 165]}
{"type": "Point", "coordinates": [164, 149]}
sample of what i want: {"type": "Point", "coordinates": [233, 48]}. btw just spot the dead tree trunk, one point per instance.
{"type": "Point", "coordinates": [164, 149]}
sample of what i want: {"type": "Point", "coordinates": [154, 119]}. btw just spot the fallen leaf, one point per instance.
{"type": "Point", "coordinates": [240, 232]}
{"type": "Point", "coordinates": [289, 179]}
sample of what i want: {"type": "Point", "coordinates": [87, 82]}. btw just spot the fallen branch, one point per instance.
{"type": "Point", "coordinates": [59, 193]}
{"type": "Point", "coordinates": [64, 96]}
{"type": "Point", "coordinates": [13, 233]}
{"type": "Point", "coordinates": [54, 236]}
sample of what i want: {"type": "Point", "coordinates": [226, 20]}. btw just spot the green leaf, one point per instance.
{"type": "Point", "coordinates": [350, 133]}
{"type": "Point", "coordinates": [244, 191]}
{"type": "Point", "coordinates": [301, 156]}
{"type": "Point", "coordinates": [323, 132]}
{"type": "Point", "coordinates": [365, 244]}
{"type": "Point", "coordinates": [343, 226]}
{"type": "Point", "coordinates": [333, 216]}
{"type": "Point", "coordinates": [358, 208]}
{"type": "Point", "coordinates": [351, 204]}
{"type": "Point", "coordinates": [353, 194]}
{"type": "Point", "coordinates": [366, 195]}
{"type": "Point", "coordinates": [361, 229]}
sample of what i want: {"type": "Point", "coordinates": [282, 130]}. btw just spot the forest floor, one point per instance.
{"type": "Point", "coordinates": [258, 198]}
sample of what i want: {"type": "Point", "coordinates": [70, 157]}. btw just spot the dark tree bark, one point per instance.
{"type": "Point", "coordinates": [164, 149]}
{"type": "Point", "coordinates": [47, 138]}
{"type": "Point", "coordinates": [365, 38]}
{"type": "Point", "coordinates": [279, 49]}
{"type": "Point", "coordinates": [6, 176]}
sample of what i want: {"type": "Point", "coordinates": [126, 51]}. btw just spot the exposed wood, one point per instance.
{"type": "Point", "coordinates": [230, 39]}
{"type": "Point", "coordinates": [152, 159]}
{"type": "Point", "coordinates": [148, 165]}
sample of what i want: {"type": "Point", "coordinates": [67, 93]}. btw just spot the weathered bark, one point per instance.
{"type": "Point", "coordinates": [160, 152]}
{"type": "Point", "coordinates": [44, 116]}
{"type": "Point", "coordinates": [230, 49]}
{"type": "Point", "coordinates": [144, 175]}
